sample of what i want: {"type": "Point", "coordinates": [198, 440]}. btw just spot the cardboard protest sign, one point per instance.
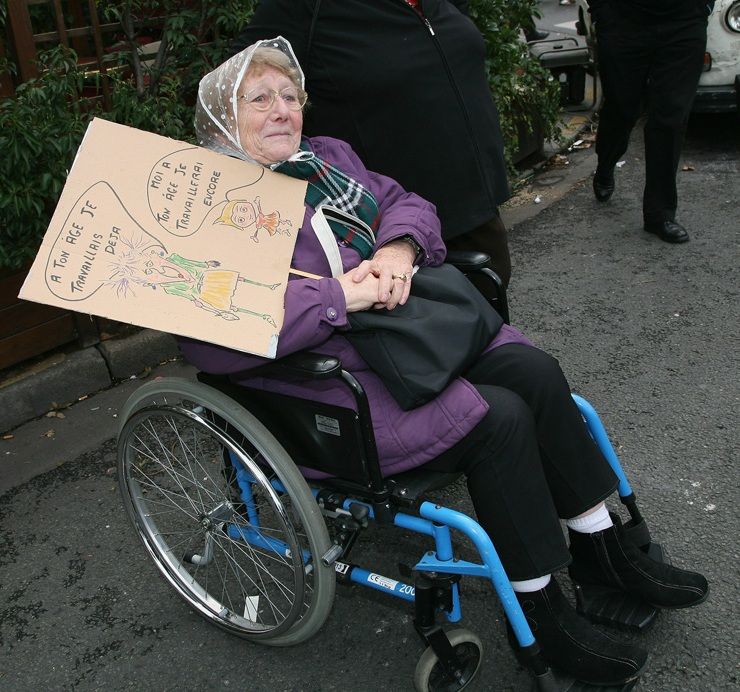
{"type": "Point", "coordinates": [166, 235]}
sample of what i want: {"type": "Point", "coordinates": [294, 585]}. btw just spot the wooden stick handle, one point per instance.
{"type": "Point", "coordinates": [308, 275]}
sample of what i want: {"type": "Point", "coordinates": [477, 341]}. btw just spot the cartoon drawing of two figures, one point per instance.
{"type": "Point", "coordinates": [205, 283]}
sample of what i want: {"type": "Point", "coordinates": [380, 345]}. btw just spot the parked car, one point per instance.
{"type": "Point", "coordinates": [719, 85]}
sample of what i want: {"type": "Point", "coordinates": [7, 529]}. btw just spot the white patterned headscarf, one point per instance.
{"type": "Point", "coordinates": [216, 111]}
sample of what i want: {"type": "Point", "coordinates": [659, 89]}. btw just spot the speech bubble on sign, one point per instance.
{"type": "Point", "coordinates": [182, 190]}
{"type": "Point", "coordinates": [98, 237]}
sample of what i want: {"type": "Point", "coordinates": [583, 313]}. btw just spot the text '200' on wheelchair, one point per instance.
{"type": "Point", "coordinates": [242, 536]}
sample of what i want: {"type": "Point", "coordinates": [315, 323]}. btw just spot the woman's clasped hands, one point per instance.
{"type": "Point", "coordinates": [383, 281]}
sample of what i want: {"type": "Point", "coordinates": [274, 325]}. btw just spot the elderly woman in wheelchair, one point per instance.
{"type": "Point", "coordinates": [215, 496]}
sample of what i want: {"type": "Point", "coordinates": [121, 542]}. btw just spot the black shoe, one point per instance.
{"type": "Point", "coordinates": [670, 231]}
{"type": "Point", "coordinates": [609, 558]}
{"type": "Point", "coordinates": [603, 184]}
{"type": "Point", "coordinates": [572, 645]}
{"type": "Point", "coordinates": [536, 35]}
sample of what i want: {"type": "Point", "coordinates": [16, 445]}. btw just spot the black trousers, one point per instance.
{"type": "Point", "coordinates": [658, 63]}
{"type": "Point", "coordinates": [529, 461]}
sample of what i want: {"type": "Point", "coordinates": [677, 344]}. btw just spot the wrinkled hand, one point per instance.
{"type": "Point", "coordinates": [359, 295]}
{"type": "Point", "coordinates": [392, 264]}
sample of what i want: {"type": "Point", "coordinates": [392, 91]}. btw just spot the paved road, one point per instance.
{"type": "Point", "coordinates": [647, 331]}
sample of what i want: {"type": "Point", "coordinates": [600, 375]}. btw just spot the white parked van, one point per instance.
{"type": "Point", "coordinates": [719, 85]}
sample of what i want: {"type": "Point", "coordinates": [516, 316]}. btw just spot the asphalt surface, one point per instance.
{"type": "Point", "coordinates": [646, 331]}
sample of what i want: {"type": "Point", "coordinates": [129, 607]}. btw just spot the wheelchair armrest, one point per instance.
{"type": "Point", "coordinates": [468, 260]}
{"type": "Point", "coordinates": [304, 365]}
{"type": "Point", "coordinates": [477, 267]}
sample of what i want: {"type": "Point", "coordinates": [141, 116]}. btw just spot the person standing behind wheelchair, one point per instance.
{"type": "Point", "coordinates": [510, 424]}
{"type": "Point", "coordinates": [649, 51]}
{"type": "Point", "coordinates": [404, 83]}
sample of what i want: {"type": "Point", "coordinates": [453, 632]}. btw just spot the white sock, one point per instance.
{"type": "Point", "coordinates": [529, 585]}
{"type": "Point", "coordinates": [591, 523]}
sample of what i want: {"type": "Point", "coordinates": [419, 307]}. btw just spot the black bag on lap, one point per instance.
{"type": "Point", "coordinates": [418, 348]}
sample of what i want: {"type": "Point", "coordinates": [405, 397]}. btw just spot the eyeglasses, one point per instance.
{"type": "Point", "coordinates": [262, 99]}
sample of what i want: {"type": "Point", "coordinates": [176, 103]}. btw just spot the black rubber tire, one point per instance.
{"type": "Point", "coordinates": [169, 424]}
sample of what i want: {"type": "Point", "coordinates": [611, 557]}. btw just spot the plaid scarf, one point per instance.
{"type": "Point", "coordinates": [327, 185]}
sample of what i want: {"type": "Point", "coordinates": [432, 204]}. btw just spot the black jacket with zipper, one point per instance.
{"type": "Point", "coordinates": [409, 95]}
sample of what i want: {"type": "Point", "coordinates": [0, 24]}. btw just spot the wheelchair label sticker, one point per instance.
{"type": "Point", "coordinates": [341, 567]}
{"type": "Point", "coordinates": [385, 582]}
{"type": "Point", "coordinates": [328, 425]}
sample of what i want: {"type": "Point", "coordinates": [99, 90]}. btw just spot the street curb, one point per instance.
{"type": "Point", "coordinates": [129, 356]}
{"type": "Point", "coordinates": [537, 181]}
{"type": "Point", "coordinates": [81, 373]}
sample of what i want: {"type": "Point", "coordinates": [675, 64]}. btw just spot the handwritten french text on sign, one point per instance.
{"type": "Point", "coordinates": [156, 233]}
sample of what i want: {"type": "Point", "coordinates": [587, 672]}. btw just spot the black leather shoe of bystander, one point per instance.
{"type": "Point", "coordinates": [670, 231]}
{"type": "Point", "coordinates": [603, 184]}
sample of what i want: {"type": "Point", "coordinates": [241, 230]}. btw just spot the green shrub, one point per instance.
{"type": "Point", "coordinates": [159, 95]}
{"type": "Point", "coordinates": [40, 130]}
{"type": "Point", "coordinates": [527, 97]}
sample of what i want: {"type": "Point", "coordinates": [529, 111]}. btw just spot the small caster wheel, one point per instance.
{"type": "Point", "coordinates": [431, 677]}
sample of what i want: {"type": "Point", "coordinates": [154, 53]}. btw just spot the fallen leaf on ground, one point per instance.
{"type": "Point", "coordinates": [49, 433]}
{"type": "Point", "coordinates": [687, 167]}
{"type": "Point", "coordinates": [559, 160]}
{"type": "Point", "coordinates": [55, 414]}
{"type": "Point", "coordinates": [8, 437]}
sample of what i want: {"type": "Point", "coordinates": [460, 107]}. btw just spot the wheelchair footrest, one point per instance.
{"type": "Point", "coordinates": [609, 606]}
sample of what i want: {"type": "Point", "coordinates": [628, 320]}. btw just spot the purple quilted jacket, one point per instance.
{"type": "Point", "coordinates": [315, 314]}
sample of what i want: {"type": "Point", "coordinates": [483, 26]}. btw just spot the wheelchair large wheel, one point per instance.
{"type": "Point", "coordinates": [224, 512]}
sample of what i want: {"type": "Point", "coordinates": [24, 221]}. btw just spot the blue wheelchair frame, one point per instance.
{"type": "Point", "coordinates": [436, 522]}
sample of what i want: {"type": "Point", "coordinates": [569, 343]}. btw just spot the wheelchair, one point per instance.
{"type": "Point", "coordinates": [250, 502]}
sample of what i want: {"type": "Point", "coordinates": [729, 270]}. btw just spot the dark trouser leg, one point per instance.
{"type": "Point", "coordinates": [673, 79]}
{"type": "Point", "coordinates": [491, 238]}
{"type": "Point", "coordinates": [529, 461]}
{"type": "Point", "coordinates": [577, 474]}
{"type": "Point", "coordinates": [624, 54]}
{"type": "Point", "coordinates": [506, 483]}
